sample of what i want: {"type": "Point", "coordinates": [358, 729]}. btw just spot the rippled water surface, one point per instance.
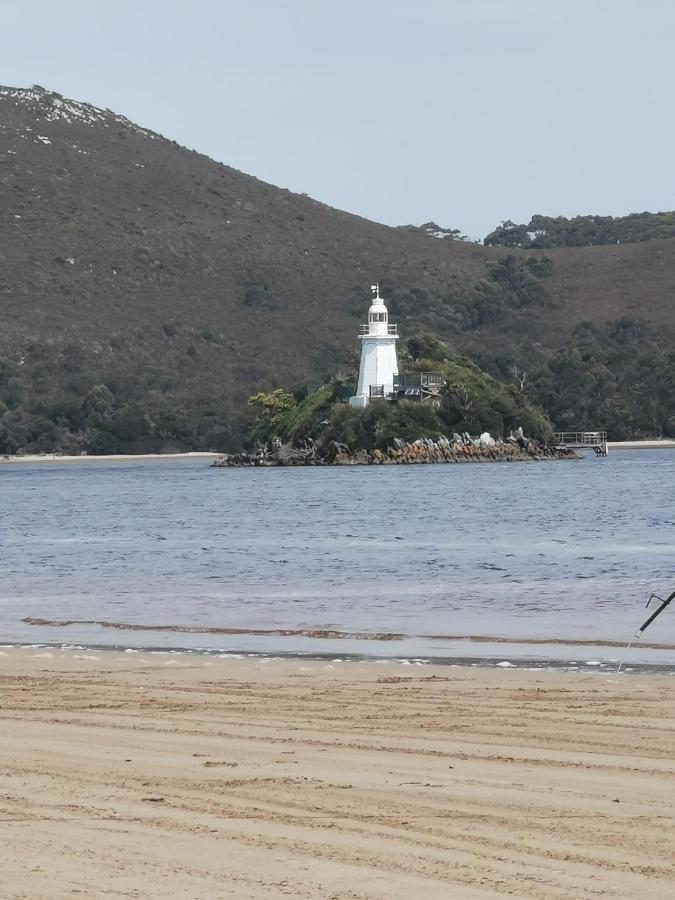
{"type": "Point", "coordinates": [562, 550]}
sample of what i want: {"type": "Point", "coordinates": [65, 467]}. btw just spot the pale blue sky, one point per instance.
{"type": "Point", "coordinates": [462, 111]}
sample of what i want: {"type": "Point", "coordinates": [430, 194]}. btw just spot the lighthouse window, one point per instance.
{"type": "Point", "coordinates": [378, 317]}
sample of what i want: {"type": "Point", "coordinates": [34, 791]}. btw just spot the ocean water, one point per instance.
{"type": "Point", "coordinates": [183, 555]}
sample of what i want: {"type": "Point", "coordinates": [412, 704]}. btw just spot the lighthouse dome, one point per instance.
{"type": "Point", "coordinates": [378, 311]}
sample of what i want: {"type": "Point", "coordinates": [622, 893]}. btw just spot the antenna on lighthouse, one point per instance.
{"type": "Point", "coordinates": [375, 288]}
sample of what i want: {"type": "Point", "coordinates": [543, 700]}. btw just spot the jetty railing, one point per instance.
{"type": "Point", "coordinates": [582, 440]}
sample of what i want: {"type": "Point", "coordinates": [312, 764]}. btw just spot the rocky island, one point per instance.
{"type": "Point", "coordinates": [459, 449]}
{"type": "Point", "coordinates": [417, 405]}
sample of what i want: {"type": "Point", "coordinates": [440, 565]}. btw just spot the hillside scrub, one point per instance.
{"type": "Point", "coordinates": [510, 289]}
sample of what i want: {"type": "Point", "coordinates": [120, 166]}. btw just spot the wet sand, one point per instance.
{"type": "Point", "coordinates": [160, 775]}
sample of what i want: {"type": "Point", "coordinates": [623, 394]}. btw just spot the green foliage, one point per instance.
{"type": "Point", "coordinates": [544, 232]}
{"type": "Point", "coordinates": [508, 234]}
{"type": "Point", "coordinates": [293, 422]}
{"type": "Point", "coordinates": [274, 402]}
{"type": "Point", "coordinates": [123, 416]}
{"type": "Point", "coordinates": [21, 432]}
{"type": "Point", "coordinates": [436, 231]}
{"type": "Point", "coordinates": [472, 401]}
{"type": "Point", "coordinates": [476, 402]}
{"type": "Point", "coordinates": [620, 377]}
{"type": "Point", "coordinates": [520, 280]}
{"type": "Point", "coordinates": [379, 423]}
{"type": "Point", "coordinates": [513, 286]}
{"type": "Point", "coordinates": [97, 405]}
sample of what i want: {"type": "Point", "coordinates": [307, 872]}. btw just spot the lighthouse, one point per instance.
{"type": "Point", "coordinates": [378, 364]}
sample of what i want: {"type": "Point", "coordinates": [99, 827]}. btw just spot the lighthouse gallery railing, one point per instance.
{"type": "Point", "coordinates": [391, 330]}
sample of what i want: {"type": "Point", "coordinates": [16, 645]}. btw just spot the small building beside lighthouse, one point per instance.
{"type": "Point", "coordinates": [378, 367]}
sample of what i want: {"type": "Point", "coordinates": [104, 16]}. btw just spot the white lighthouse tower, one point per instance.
{"type": "Point", "coordinates": [378, 364]}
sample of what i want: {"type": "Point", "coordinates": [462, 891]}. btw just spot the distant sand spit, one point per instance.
{"type": "Point", "coordinates": [159, 775]}
{"type": "Point", "coordinates": [642, 445]}
{"type": "Point", "coordinates": [119, 457]}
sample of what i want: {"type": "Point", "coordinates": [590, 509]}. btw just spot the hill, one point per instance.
{"type": "Point", "coordinates": [146, 291]}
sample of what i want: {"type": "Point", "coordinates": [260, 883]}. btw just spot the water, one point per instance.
{"type": "Point", "coordinates": [553, 551]}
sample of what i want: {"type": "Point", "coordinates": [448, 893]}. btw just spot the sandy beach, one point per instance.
{"type": "Point", "coordinates": [33, 458]}
{"type": "Point", "coordinates": [163, 775]}
{"type": "Point", "coordinates": [661, 444]}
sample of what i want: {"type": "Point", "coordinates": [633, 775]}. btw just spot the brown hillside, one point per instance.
{"type": "Point", "coordinates": [128, 259]}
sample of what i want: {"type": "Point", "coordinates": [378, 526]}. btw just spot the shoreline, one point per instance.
{"type": "Point", "coordinates": [117, 457]}
{"type": "Point", "coordinates": [573, 657]}
{"type": "Point", "coordinates": [36, 458]}
{"type": "Point", "coordinates": [137, 773]}
{"type": "Point", "coordinates": [663, 444]}
{"type": "Point", "coordinates": [475, 647]}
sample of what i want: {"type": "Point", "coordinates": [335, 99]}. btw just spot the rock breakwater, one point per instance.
{"type": "Point", "coordinates": [423, 451]}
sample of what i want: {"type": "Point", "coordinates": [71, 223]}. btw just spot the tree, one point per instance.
{"type": "Point", "coordinates": [274, 402]}
{"type": "Point", "coordinates": [520, 376]}
{"type": "Point", "coordinates": [97, 405]}
{"type": "Point", "coordinates": [508, 234]}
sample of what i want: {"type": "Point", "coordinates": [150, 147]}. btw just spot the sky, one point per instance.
{"type": "Point", "coordinates": [464, 112]}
